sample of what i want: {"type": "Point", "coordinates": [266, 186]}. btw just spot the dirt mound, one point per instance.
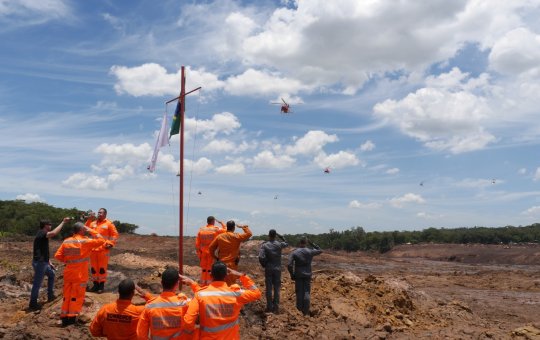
{"type": "Point", "coordinates": [401, 295]}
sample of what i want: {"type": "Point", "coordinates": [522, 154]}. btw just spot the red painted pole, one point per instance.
{"type": "Point", "coordinates": [181, 226]}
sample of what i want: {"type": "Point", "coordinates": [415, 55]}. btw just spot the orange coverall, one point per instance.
{"type": "Point", "coordinates": [218, 306]}
{"type": "Point", "coordinates": [75, 252]}
{"type": "Point", "coordinates": [228, 247]}
{"type": "Point", "coordinates": [99, 259]}
{"type": "Point", "coordinates": [117, 320]}
{"type": "Point", "coordinates": [163, 318]}
{"type": "Point", "coordinates": [205, 236]}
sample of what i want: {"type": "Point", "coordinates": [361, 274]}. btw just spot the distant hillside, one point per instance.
{"type": "Point", "coordinates": [357, 239]}
{"type": "Point", "coordinates": [19, 217]}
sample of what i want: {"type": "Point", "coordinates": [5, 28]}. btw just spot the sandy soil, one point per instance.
{"type": "Point", "coordinates": [413, 292]}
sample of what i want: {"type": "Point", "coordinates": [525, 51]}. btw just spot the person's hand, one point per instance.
{"type": "Point", "coordinates": [141, 292]}
{"type": "Point", "coordinates": [66, 219]}
{"type": "Point", "coordinates": [234, 272]}
{"type": "Point", "coordinates": [185, 279]}
{"type": "Point", "coordinates": [108, 245]}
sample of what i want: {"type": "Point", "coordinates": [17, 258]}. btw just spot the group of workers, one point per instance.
{"type": "Point", "coordinates": [217, 300]}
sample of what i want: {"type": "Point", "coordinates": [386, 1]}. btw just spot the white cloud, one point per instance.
{"type": "Point", "coordinates": [303, 40]}
{"type": "Point", "coordinates": [427, 216]}
{"type": "Point", "coordinates": [367, 146]}
{"type": "Point", "coordinates": [35, 12]}
{"type": "Point", "coordinates": [124, 153]}
{"type": "Point", "coordinates": [534, 210]}
{"type": "Point", "coordinates": [537, 175]}
{"type": "Point", "coordinates": [202, 165]}
{"type": "Point", "coordinates": [219, 146]}
{"type": "Point", "coordinates": [152, 79]}
{"type": "Point", "coordinates": [407, 198]}
{"type": "Point", "coordinates": [522, 171]}
{"type": "Point", "coordinates": [359, 205]}
{"type": "Point", "coordinates": [311, 143]}
{"type": "Point", "coordinates": [231, 169]}
{"type": "Point", "coordinates": [445, 116]}
{"type": "Point", "coordinates": [224, 122]}
{"type": "Point", "coordinates": [254, 82]}
{"type": "Point", "coordinates": [517, 52]}
{"type": "Point", "coordinates": [29, 197]}
{"type": "Point", "coordinates": [342, 159]}
{"type": "Point", "coordinates": [267, 159]}
{"type": "Point", "coordinates": [392, 171]}
{"type": "Point", "coordinates": [476, 183]}
{"type": "Point", "coordinates": [81, 180]}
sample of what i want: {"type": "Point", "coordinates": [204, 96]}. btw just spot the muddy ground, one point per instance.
{"type": "Point", "coordinates": [413, 292]}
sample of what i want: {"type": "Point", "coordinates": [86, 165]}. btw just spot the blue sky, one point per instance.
{"type": "Point", "coordinates": [426, 112]}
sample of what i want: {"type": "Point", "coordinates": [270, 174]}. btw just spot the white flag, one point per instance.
{"type": "Point", "coordinates": [162, 140]}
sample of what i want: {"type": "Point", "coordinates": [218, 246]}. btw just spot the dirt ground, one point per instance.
{"type": "Point", "coordinates": [425, 291]}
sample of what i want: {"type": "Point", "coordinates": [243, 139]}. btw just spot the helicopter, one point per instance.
{"type": "Point", "coordinates": [285, 107]}
{"type": "Point", "coordinates": [327, 170]}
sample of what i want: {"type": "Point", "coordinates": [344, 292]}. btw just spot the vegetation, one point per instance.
{"type": "Point", "coordinates": [19, 217]}
{"type": "Point", "coordinates": [357, 239]}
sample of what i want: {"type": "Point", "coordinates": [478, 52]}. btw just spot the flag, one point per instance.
{"type": "Point", "coordinates": [175, 127]}
{"type": "Point", "coordinates": [161, 141]}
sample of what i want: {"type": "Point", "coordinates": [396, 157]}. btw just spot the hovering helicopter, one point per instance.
{"type": "Point", "coordinates": [327, 170]}
{"type": "Point", "coordinates": [285, 107]}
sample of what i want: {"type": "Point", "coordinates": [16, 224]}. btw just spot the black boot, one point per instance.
{"type": "Point", "coordinates": [65, 322]}
{"type": "Point", "coordinates": [101, 287]}
{"type": "Point", "coordinates": [94, 287]}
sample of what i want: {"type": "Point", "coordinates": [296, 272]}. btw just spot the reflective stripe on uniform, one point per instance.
{"type": "Point", "coordinates": [78, 260]}
{"type": "Point", "coordinates": [219, 328]}
{"type": "Point", "coordinates": [172, 336]}
{"type": "Point", "coordinates": [166, 304]}
{"type": "Point", "coordinates": [219, 293]}
{"type": "Point", "coordinates": [74, 241]}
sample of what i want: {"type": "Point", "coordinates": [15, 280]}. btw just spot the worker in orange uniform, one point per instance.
{"type": "Point", "coordinates": [218, 305]}
{"type": "Point", "coordinates": [228, 248]}
{"type": "Point", "coordinates": [118, 320]}
{"type": "Point", "coordinates": [205, 236]}
{"type": "Point", "coordinates": [75, 253]}
{"type": "Point", "coordinates": [162, 317]}
{"type": "Point", "coordinates": [99, 259]}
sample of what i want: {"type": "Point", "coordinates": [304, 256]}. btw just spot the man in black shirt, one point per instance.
{"type": "Point", "coordinates": [41, 263]}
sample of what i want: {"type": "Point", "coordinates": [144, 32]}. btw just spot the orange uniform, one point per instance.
{"type": "Point", "coordinates": [205, 236]}
{"type": "Point", "coordinates": [162, 318]}
{"type": "Point", "coordinates": [75, 252]}
{"type": "Point", "coordinates": [117, 320]}
{"type": "Point", "coordinates": [228, 247]}
{"type": "Point", "coordinates": [99, 259]}
{"type": "Point", "coordinates": [218, 306]}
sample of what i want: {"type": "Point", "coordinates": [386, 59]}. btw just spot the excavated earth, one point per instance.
{"type": "Point", "coordinates": [427, 291]}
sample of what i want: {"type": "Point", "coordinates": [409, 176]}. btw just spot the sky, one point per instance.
{"type": "Point", "coordinates": [425, 112]}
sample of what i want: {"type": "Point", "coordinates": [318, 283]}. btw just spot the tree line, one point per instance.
{"type": "Point", "coordinates": [19, 217]}
{"type": "Point", "coordinates": [356, 238]}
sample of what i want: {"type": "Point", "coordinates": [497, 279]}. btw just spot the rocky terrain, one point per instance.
{"type": "Point", "coordinates": [427, 291]}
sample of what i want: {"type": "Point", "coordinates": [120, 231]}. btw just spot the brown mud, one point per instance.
{"type": "Point", "coordinates": [427, 291]}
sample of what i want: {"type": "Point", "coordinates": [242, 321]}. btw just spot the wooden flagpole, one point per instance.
{"type": "Point", "coordinates": [181, 225]}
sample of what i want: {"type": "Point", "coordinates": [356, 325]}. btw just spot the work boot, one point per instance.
{"type": "Point", "coordinates": [34, 307]}
{"type": "Point", "coordinates": [65, 322]}
{"type": "Point", "coordinates": [101, 287]}
{"type": "Point", "coordinates": [51, 298]}
{"type": "Point", "coordinates": [94, 287]}
{"type": "Point", "coordinates": [72, 320]}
